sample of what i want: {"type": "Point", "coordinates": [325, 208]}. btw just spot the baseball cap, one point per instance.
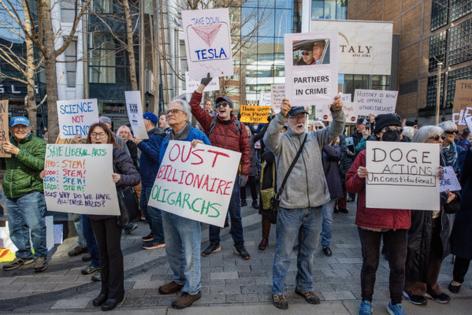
{"type": "Point", "coordinates": [19, 120]}
{"type": "Point", "coordinates": [151, 117]}
{"type": "Point", "coordinates": [295, 110]}
{"type": "Point", "coordinates": [224, 99]}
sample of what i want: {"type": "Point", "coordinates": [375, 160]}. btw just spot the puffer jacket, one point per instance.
{"type": "Point", "coordinates": [225, 134]}
{"type": "Point", "coordinates": [371, 218]}
{"type": "Point", "coordinates": [22, 171]}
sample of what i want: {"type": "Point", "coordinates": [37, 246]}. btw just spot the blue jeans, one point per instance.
{"type": "Point", "coordinates": [183, 242]}
{"type": "Point", "coordinates": [234, 210]}
{"type": "Point", "coordinates": [76, 218]}
{"type": "Point", "coordinates": [27, 214]}
{"type": "Point", "coordinates": [295, 226]}
{"type": "Point", "coordinates": [153, 215]}
{"type": "Point", "coordinates": [327, 212]}
{"type": "Point", "coordinates": [90, 240]}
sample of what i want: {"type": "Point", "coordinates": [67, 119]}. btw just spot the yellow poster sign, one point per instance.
{"type": "Point", "coordinates": [254, 114]}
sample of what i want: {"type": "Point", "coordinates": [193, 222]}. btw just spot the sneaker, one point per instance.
{"type": "Point", "coordinates": [130, 227]}
{"type": "Point", "coordinates": [153, 245]}
{"type": "Point", "coordinates": [40, 264]}
{"type": "Point", "coordinates": [415, 299]}
{"type": "Point", "coordinates": [309, 296]}
{"type": "Point", "coordinates": [279, 301]}
{"type": "Point", "coordinates": [395, 309]}
{"type": "Point", "coordinates": [171, 287]}
{"type": "Point", "coordinates": [212, 248]}
{"type": "Point", "coordinates": [365, 308]}
{"type": "Point", "coordinates": [186, 300]}
{"type": "Point", "coordinates": [86, 258]}
{"type": "Point", "coordinates": [441, 298]}
{"type": "Point", "coordinates": [17, 263]}
{"type": "Point", "coordinates": [89, 270]}
{"type": "Point", "coordinates": [243, 203]}
{"type": "Point", "coordinates": [254, 204]}
{"type": "Point", "coordinates": [327, 251]}
{"type": "Point", "coordinates": [454, 287]}
{"type": "Point", "coordinates": [148, 237]}
{"type": "Point", "coordinates": [76, 251]}
{"type": "Point", "coordinates": [241, 251]}
{"type": "Point", "coordinates": [97, 277]}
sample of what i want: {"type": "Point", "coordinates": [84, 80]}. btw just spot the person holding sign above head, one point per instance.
{"type": "Point", "coordinates": [374, 225]}
{"type": "Point", "coordinates": [225, 131]}
{"type": "Point", "coordinates": [23, 189]}
{"type": "Point", "coordinates": [106, 229]}
{"type": "Point", "coordinates": [183, 236]}
{"type": "Point", "coordinates": [301, 191]}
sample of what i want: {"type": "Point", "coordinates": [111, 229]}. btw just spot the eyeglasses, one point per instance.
{"type": "Point", "coordinates": [435, 138]}
{"type": "Point", "coordinates": [451, 132]}
{"type": "Point", "coordinates": [173, 111]}
{"type": "Point", "coordinates": [98, 134]}
{"type": "Point", "coordinates": [306, 53]}
{"type": "Point", "coordinates": [224, 104]}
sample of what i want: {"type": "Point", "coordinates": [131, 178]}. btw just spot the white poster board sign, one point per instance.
{"type": "Point", "coordinates": [78, 179]}
{"type": "Point", "coordinates": [364, 47]}
{"type": "Point", "coordinates": [349, 109]}
{"type": "Point", "coordinates": [208, 42]}
{"type": "Point", "coordinates": [196, 183]}
{"type": "Point", "coordinates": [468, 121]}
{"type": "Point", "coordinates": [402, 175]}
{"type": "Point", "coordinates": [191, 85]}
{"type": "Point", "coordinates": [277, 96]}
{"type": "Point", "coordinates": [265, 98]}
{"type": "Point", "coordinates": [311, 68]}
{"type": "Point", "coordinates": [75, 117]}
{"type": "Point", "coordinates": [375, 102]}
{"type": "Point", "coordinates": [449, 180]}
{"type": "Point", "coordinates": [135, 114]}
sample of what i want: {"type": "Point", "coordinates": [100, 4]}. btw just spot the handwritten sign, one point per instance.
{"type": "Point", "coordinates": [254, 114]}
{"type": "Point", "coordinates": [135, 114]}
{"type": "Point", "coordinates": [311, 68]}
{"type": "Point", "coordinates": [3, 127]}
{"type": "Point", "coordinates": [208, 42]}
{"type": "Point", "coordinates": [78, 179]}
{"type": "Point", "coordinates": [468, 121]}
{"type": "Point", "coordinates": [277, 96]}
{"type": "Point", "coordinates": [191, 85]}
{"type": "Point", "coordinates": [375, 102]}
{"type": "Point", "coordinates": [349, 109]}
{"type": "Point", "coordinates": [461, 118]}
{"type": "Point", "coordinates": [402, 175]}
{"type": "Point", "coordinates": [76, 116]}
{"type": "Point", "coordinates": [449, 181]}
{"type": "Point", "coordinates": [196, 183]}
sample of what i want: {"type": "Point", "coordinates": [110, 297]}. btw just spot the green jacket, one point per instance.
{"type": "Point", "coordinates": [22, 171]}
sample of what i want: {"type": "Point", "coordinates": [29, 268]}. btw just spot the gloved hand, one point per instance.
{"type": "Point", "coordinates": [205, 81]}
{"type": "Point", "coordinates": [242, 180]}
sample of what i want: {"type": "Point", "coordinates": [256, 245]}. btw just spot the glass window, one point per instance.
{"type": "Point", "coordinates": [439, 12]}
{"type": "Point", "coordinates": [286, 4]}
{"type": "Point", "coordinates": [102, 58]}
{"type": "Point", "coordinates": [431, 91]}
{"type": "Point", "coordinates": [317, 9]}
{"type": "Point", "coordinates": [71, 63]}
{"type": "Point", "coordinates": [459, 74]}
{"type": "Point", "coordinates": [437, 50]}
{"type": "Point", "coordinates": [283, 22]}
{"type": "Point", "coordinates": [266, 22]}
{"type": "Point", "coordinates": [103, 6]}
{"type": "Point", "coordinates": [68, 11]}
{"type": "Point", "coordinates": [459, 47]}
{"type": "Point", "coordinates": [459, 8]}
{"type": "Point", "coordinates": [330, 9]}
{"type": "Point", "coordinates": [248, 21]}
{"type": "Point", "coordinates": [341, 9]}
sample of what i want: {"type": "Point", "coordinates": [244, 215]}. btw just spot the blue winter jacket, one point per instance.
{"type": "Point", "coordinates": [149, 159]}
{"type": "Point", "coordinates": [193, 134]}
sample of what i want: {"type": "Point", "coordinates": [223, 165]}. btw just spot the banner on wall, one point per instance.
{"type": "Point", "coordinates": [76, 116]}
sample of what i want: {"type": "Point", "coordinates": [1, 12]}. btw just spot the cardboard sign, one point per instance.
{"type": "Point", "coordinates": [208, 42]}
{"type": "Point", "coordinates": [76, 116]}
{"type": "Point", "coordinates": [277, 96]}
{"type": "Point", "coordinates": [135, 114]}
{"type": "Point", "coordinates": [3, 127]}
{"type": "Point", "coordinates": [462, 96]}
{"type": "Point", "coordinates": [196, 183]}
{"type": "Point", "coordinates": [254, 114]}
{"type": "Point", "coordinates": [449, 180]}
{"type": "Point", "coordinates": [78, 179]}
{"type": "Point", "coordinates": [402, 175]}
{"type": "Point", "coordinates": [192, 85]}
{"type": "Point", "coordinates": [375, 102]}
{"type": "Point", "coordinates": [311, 68]}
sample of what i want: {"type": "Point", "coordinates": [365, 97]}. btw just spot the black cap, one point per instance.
{"type": "Point", "coordinates": [295, 110]}
{"type": "Point", "coordinates": [226, 99]}
{"type": "Point", "coordinates": [307, 44]}
{"type": "Point", "coordinates": [361, 121]}
{"type": "Point", "coordinates": [385, 120]}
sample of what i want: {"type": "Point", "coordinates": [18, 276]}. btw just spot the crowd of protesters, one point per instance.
{"type": "Point", "coordinates": [297, 178]}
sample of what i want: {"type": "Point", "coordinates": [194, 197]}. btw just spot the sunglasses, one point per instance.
{"type": "Point", "coordinates": [436, 138]}
{"type": "Point", "coordinates": [451, 132]}
{"type": "Point", "coordinates": [306, 53]}
{"type": "Point", "coordinates": [224, 104]}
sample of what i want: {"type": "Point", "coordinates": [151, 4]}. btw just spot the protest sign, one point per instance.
{"type": "Point", "coordinates": [191, 85]}
{"type": "Point", "coordinates": [375, 102]}
{"type": "Point", "coordinates": [402, 175]}
{"type": "Point", "coordinates": [78, 179]}
{"type": "Point", "coordinates": [196, 183]}
{"type": "Point", "coordinates": [76, 116]}
{"type": "Point", "coordinates": [277, 96]}
{"type": "Point", "coordinates": [350, 112]}
{"type": "Point", "coordinates": [311, 68]}
{"type": "Point", "coordinates": [208, 42]}
{"type": "Point", "coordinates": [135, 114]}
{"type": "Point", "coordinates": [468, 121]}
{"type": "Point", "coordinates": [3, 127]}
{"type": "Point", "coordinates": [462, 96]}
{"type": "Point", "coordinates": [449, 180]}
{"type": "Point", "coordinates": [265, 98]}
{"type": "Point", "coordinates": [254, 114]}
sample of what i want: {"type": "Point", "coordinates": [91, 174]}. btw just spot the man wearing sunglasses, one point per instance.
{"type": "Point", "coordinates": [312, 53]}
{"type": "Point", "coordinates": [225, 131]}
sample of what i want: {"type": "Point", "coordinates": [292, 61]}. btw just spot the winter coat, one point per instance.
{"type": "Point", "coordinates": [189, 134]}
{"type": "Point", "coordinates": [133, 152]}
{"type": "Point", "coordinates": [331, 157]}
{"type": "Point", "coordinates": [347, 157]}
{"type": "Point", "coordinates": [225, 134]}
{"type": "Point", "coordinates": [306, 186]}
{"type": "Point", "coordinates": [254, 170]}
{"type": "Point", "coordinates": [461, 237]}
{"type": "Point", "coordinates": [22, 170]}
{"type": "Point", "coordinates": [123, 165]}
{"type": "Point", "coordinates": [149, 159]}
{"type": "Point", "coordinates": [372, 218]}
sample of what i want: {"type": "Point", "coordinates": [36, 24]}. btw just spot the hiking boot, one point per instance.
{"type": "Point", "coordinates": [415, 299]}
{"type": "Point", "coordinates": [395, 309]}
{"type": "Point", "coordinates": [241, 251]}
{"type": "Point", "coordinates": [441, 298]}
{"type": "Point", "coordinates": [76, 251]}
{"type": "Point", "coordinates": [327, 251]}
{"type": "Point", "coordinates": [365, 308]}
{"type": "Point", "coordinates": [89, 270]}
{"type": "Point", "coordinates": [17, 263]}
{"type": "Point", "coordinates": [40, 264]}
{"type": "Point", "coordinates": [309, 296]}
{"type": "Point", "coordinates": [153, 245]}
{"type": "Point", "coordinates": [148, 237]}
{"type": "Point", "coordinates": [171, 287]}
{"type": "Point", "coordinates": [279, 301]}
{"type": "Point", "coordinates": [212, 248]}
{"type": "Point", "coordinates": [186, 300]}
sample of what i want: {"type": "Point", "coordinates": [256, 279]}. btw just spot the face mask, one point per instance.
{"type": "Point", "coordinates": [391, 135]}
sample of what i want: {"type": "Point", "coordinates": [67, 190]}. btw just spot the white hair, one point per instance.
{"type": "Point", "coordinates": [448, 126]}
{"type": "Point", "coordinates": [185, 107]}
{"type": "Point", "coordinates": [408, 132]}
{"type": "Point", "coordinates": [426, 132]}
